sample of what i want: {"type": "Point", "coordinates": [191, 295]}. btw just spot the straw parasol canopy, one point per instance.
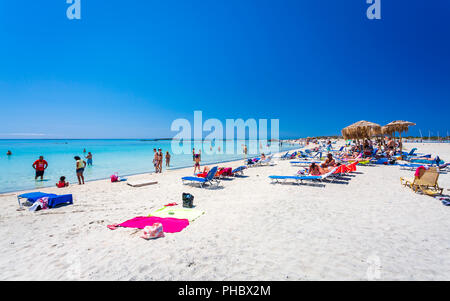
{"type": "Point", "coordinates": [399, 126]}
{"type": "Point", "coordinates": [361, 129]}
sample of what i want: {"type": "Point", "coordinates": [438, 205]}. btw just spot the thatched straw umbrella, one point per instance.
{"type": "Point", "coordinates": [361, 129]}
{"type": "Point", "coordinates": [399, 126]}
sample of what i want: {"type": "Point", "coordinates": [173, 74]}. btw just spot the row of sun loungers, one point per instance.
{"type": "Point", "coordinates": [300, 178]}
{"type": "Point", "coordinates": [213, 176]}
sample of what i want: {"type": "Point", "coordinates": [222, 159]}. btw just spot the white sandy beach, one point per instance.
{"type": "Point", "coordinates": [252, 230]}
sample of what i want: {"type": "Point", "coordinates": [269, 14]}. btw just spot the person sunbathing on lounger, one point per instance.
{"type": "Point", "coordinates": [314, 170]}
{"type": "Point", "coordinates": [329, 161]}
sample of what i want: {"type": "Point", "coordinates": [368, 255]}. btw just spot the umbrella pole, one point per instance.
{"type": "Point", "coordinates": [401, 145]}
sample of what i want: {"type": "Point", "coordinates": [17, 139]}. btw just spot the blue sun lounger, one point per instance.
{"type": "Point", "coordinates": [411, 153]}
{"type": "Point", "coordinates": [297, 179]}
{"type": "Point", "coordinates": [208, 179]}
{"type": "Point", "coordinates": [239, 170]}
{"type": "Point", "coordinates": [285, 156]}
{"type": "Point", "coordinates": [53, 199]}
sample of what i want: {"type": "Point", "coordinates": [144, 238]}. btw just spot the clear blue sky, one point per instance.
{"type": "Point", "coordinates": [128, 68]}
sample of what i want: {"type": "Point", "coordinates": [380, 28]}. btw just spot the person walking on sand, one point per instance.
{"type": "Point", "coordinates": [167, 159]}
{"type": "Point", "coordinates": [80, 165]}
{"type": "Point", "coordinates": [89, 158]}
{"type": "Point", "coordinates": [155, 160]}
{"type": "Point", "coordinates": [160, 160]}
{"type": "Point", "coordinates": [40, 166]}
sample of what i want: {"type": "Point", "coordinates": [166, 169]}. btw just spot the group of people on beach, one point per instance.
{"type": "Point", "coordinates": [41, 165]}
{"type": "Point", "coordinates": [158, 159]}
{"type": "Point", "coordinates": [317, 170]}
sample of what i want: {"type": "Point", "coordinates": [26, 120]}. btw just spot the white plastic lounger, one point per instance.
{"type": "Point", "coordinates": [141, 183]}
{"type": "Point", "coordinates": [305, 162]}
{"type": "Point", "coordinates": [266, 161]}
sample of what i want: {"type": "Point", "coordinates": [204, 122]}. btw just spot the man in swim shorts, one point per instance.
{"type": "Point", "coordinates": [40, 166]}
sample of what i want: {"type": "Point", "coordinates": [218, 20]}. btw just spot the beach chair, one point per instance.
{"type": "Point", "coordinates": [304, 162]}
{"type": "Point", "coordinates": [410, 154]}
{"type": "Point", "coordinates": [427, 182]}
{"type": "Point", "coordinates": [300, 179]}
{"type": "Point", "coordinates": [223, 172]}
{"type": "Point", "coordinates": [53, 199]}
{"type": "Point", "coordinates": [266, 161]}
{"type": "Point", "coordinates": [285, 156]}
{"type": "Point", "coordinates": [206, 180]}
{"type": "Point", "coordinates": [252, 162]}
{"type": "Point", "coordinates": [238, 171]}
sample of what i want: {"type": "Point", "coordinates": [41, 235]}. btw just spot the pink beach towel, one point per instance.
{"type": "Point", "coordinates": [170, 225]}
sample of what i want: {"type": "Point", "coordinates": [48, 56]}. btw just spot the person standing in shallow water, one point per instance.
{"type": "Point", "coordinates": [80, 165]}
{"type": "Point", "coordinates": [89, 158]}
{"type": "Point", "coordinates": [40, 166]}
{"type": "Point", "coordinates": [167, 159]}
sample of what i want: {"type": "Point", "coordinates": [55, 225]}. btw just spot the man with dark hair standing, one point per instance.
{"type": "Point", "coordinates": [40, 166]}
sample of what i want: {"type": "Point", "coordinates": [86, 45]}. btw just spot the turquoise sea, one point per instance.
{"type": "Point", "coordinates": [127, 157]}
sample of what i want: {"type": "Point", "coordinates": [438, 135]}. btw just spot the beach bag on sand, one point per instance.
{"type": "Point", "coordinates": [188, 200]}
{"type": "Point", "coordinates": [154, 231]}
{"type": "Point", "coordinates": [115, 177]}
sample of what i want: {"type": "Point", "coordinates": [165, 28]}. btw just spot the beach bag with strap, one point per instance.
{"type": "Point", "coordinates": [154, 231]}
{"type": "Point", "coordinates": [188, 200]}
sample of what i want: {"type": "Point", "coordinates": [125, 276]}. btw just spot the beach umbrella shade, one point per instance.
{"type": "Point", "coordinates": [361, 129]}
{"type": "Point", "coordinates": [399, 126]}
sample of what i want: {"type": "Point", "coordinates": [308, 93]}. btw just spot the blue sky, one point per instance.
{"type": "Point", "coordinates": [127, 69]}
